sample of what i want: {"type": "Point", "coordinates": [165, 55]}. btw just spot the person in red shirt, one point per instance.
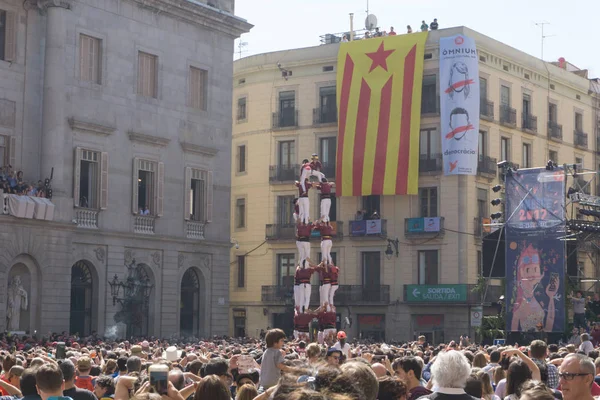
{"type": "Point", "coordinates": [392, 32]}
{"type": "Point", "coordinates": [301, 324]}
{"type": "Point", "coordinates": [327, 232]}
{"type": "Point", "coordinates": [303, 232]}
{"type": "Point", "coordinates": [333, 275]}
{"type": "Point", "coordinates": [325, 277]}
{"type": "Point", "coordinates": [325, 188]}
{"type": "Point", "coordinates": [303, 203]}
{"type": "Point", "coordinates": [305, 172]}
{"type": "Point", "coordinates": [315, 167]}
{"type": "Point", "coordinates": [303, 288]}
{"type": "Point", "coordinates": [596, 334]}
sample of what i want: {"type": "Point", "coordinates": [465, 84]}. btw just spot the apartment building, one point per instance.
{"type": "Point", "coordinates": [125, 107]}
{"type": "Point", "coordinates": [284, 110]}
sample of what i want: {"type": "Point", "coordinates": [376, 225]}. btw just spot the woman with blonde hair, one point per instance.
{"type": "Point", "coordinates": [246, 392]}
{"type": "Point", "coordinates": [498, 374]}
{"type": "Point", "coordinates": [313, 353]}
{"type": "Point", "coordinates": [487, 390]}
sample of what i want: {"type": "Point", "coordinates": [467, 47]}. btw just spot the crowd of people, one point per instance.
{"type": "Point", "coordinates": [12, 182]}
{"type": "Point", "coordinates": [381, 33]}
{"type": "Point", "coordinates": [62, 366]}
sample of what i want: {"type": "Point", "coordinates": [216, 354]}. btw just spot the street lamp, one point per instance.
{"type": "Point", "coordinates": [388, 251]}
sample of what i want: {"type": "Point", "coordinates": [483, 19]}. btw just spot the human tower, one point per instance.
{"type": "Point", "coordinates": [324, 317]}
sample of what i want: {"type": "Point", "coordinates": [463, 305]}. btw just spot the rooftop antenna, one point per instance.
{"type": "Point", "coordinates": [241, 46]}
{"type": "Point", "coordinates": [367, 7]}
{"type": "Point", "coordinates": [542, 24]}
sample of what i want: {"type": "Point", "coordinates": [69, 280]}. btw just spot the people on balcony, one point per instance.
{"type": "Point", "coordinates": [14, 183]}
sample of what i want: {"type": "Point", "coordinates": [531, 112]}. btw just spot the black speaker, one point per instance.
{"type": "Point", "coordinates": [496, 266]}
{"type": "Point", "coordinates": [571, 256]}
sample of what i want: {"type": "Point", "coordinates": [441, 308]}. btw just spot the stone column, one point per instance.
{"type": "Point", "coordinates": [55, 150]}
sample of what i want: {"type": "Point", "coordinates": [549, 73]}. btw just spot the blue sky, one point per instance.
{"type": "Point", "coordinates": [572, 31]}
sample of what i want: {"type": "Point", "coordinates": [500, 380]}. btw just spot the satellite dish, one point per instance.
{"type": "Point", "coordinates": [371, 22]}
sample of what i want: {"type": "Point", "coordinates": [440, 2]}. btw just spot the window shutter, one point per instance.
{"type": "Point", "coordinates": [76, 176]}
{"type": "Point", "coordinates": [84, 51]}
{"type": "Point", "coordinates": [209, 196]}
{"type": "Point", "coordinates": [12, 151]}
{"type": "Point", "coordinates": [140, 83]}
{"type": "Point", "coordinates": [135, 186]}
{"type": "Point", "coordinates": [104, 180]}
{"type": "Point", "coordinates": [160, 189]}
{"type": "Point", "coordinates": [186, 193]}
{"type": "Point", "coordinates": [11, 35]}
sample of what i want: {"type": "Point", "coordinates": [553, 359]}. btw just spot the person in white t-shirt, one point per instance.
{"type": "Point", "coordinates": [586, 346]}
{"type": "Point", "coordinates": [342, 345]}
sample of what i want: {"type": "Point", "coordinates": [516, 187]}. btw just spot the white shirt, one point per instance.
{"type": "Point", "coordinates": [586, 347]}
{"type": "Point", "coordinates": [345, 350]}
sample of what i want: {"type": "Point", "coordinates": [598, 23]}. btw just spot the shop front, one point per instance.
{"type": "Point", "coordinates": [371, 326]}
{"type": "Point", "coordinates": [429, 325]}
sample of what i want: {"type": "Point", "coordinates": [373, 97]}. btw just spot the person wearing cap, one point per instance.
{"type": "Point", "coordinates": [342, 346]}
{"type": "Point", "coordinates": [333, 356]}
{"type": "Point", "coordinates": [83, 379]}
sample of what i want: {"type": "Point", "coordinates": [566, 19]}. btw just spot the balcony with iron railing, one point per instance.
{"type": "Point", "coordinates": [324, 115]}
{"type": "Point", "coordinates": [346, 295]}
{"type": "Point", "coordinates": [474, 295]}
{"type": "Point", "coordinates": [288, 231]}
{"type": "Point", "coordinates": [367, 229]}
{"type": "Point", "coordinates": [554, 131]}
{"type": "Point", "coordinates": [508, 116]}
{"type": "Point", "coordinates": [144, 224]}
{"type": "Point", "coordinates": [195, 230]}
{"type": "Point", "coordinates": [430, 163]}
{"type": "Point", "coordinates": [529, 123]}
{"type": "Point", "coordinates": [285, 119]}
{"type": "Point", "coordinates": [486, 109]}
{"type": "Point", "coordinates": [501, 171]}
{"type": "Point", "coordinates": [424, 227]}
{"type": "Point", "coordinates": [580, 139]}
{"type": "Point", "coordinates": [284, 173]}
{"type": "Point", "coordinates": [487, 166]}
{"type": "Point", "coordinates": [86, 218]}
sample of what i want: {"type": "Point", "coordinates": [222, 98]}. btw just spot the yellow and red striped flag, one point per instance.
{"type": "Point", "coordinates": [379, 101]}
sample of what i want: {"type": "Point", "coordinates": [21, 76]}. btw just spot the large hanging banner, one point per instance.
{"type": "Point", "coordinates": [459, 104]}
{"type": "Point", "coordinates": [379, 86]}
{"type": "Point", "coordinates": [535, 251]}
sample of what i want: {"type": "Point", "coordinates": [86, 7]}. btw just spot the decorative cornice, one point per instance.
{"type": "Point", "coordinates": [197, 149]}
{"type": "Point", "coordinates": [43, 5]}
{"type": "Point", "coordinates": [148, 139]}
{"type": "Point", "coordinates": [198, 13]}
{"type": "Point", "coordinates": [90, 127]}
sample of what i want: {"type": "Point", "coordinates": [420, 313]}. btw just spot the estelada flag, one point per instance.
{"type": "Point", "coordinates": [379, 101]}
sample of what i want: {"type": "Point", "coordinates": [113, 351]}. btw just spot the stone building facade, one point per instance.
{"type": "Point", "coordinates": [531, 111]}
{"type": "Point", "coordinates": [123, 104]}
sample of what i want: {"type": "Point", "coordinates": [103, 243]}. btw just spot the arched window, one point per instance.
{"type": "Point", "coordinates": [189, 316]}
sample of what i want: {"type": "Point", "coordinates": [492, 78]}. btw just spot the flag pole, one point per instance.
{"type": "Point", "coordinates": [351, 26]}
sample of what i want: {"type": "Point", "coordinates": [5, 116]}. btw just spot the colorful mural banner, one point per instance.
{"type": "Point", "coordinates": [535, 251]}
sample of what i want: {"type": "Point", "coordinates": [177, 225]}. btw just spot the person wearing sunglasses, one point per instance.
{"type": "Point", "coordinates": [333, 357]}
{"type": "Point", "coordinates": [576, 376]}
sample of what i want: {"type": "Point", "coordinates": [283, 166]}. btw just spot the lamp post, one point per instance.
{"type": "Point", "coordinates": [388, 251]}
{"type": "Point", "coordinates": [136, 293]}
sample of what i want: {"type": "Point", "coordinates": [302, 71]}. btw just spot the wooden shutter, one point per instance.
{"type": "Point", "coordinates": [187, 183]}
{"type": "Point", "coordinates": [84, 59]}
{"type": "Point", "coordinates": [160, 189]}
{"type": "Point", "coordinates": [135, 186]}
{"type": "Point", "coordinates": [140, 77]}
{"type": "Point", "coordinates": [76, 176]}
{"type": "Point", "coordinates": [103, 180]}
{"type": "Point", "coordinates": [209, 196]}
{"type": "Point", "coordinates": [12, 151]}
{"type": "Point", "coordinates": [10, 40]}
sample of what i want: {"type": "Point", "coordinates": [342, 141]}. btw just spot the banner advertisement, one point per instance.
{"type": "Point", "coordinates": [365, 227]}
{"type": "Point", "coordinates": [436, 293]}
{"type": "Point", "coordinates": [476, 316]}
{"type": "Point", "coordinates": [379, 86]}
{"type": "Point", "coordinates": [459, 104]}
{"type": "Point", "coordinates": [420, 225]}
{"type": "Point", "coordinates": [535, 251]}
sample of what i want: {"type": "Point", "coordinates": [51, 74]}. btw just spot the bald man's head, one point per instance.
{"type": "Point", "coordinates": [379, 370]}
{"type": "Point", "coordinates": [177, 379]}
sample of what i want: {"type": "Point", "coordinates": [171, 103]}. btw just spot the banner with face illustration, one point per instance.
{"type": "Point", "coordinates": [459, 104]}
{"type": "Point", "coordinates": [535, 250]}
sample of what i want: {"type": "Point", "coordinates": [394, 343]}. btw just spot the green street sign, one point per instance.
{"type": "Point", "coordinates": [436, 293]}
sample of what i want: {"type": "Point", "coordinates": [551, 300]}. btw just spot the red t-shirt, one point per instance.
{"type": "Point", "coordinates": [301, 321]}
{"type": "Point", "coordinates": [325, 188]}
{"type": "Point", "coordinates": [325, 277]}
{"type": "Point", "coordinates": [595, 337]}
{"type": "Point", "coordinates": [302, 193]}
{"type": "Point", "coordinates": [304, 230]}
{"type": "Point", "coordinates": [303, 275]}
{"type": "Point", "coordinates": [316, 165]}
{"type": "Point", "coordinates": [334, 272]}
{"type": "Point", "coordinates": [325, 230]}
{"type": "Point", "coordinates": [327, 319]}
